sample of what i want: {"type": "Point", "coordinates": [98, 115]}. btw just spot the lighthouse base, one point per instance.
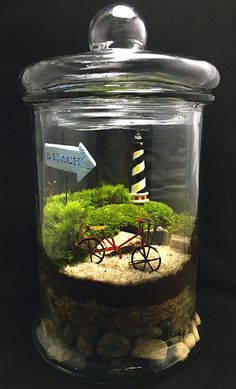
{"type": "Point", "coordinates": [140, 198]}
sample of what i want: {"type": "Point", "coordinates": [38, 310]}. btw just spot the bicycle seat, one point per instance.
{"type": "Point", "coordinates": [97, 228]}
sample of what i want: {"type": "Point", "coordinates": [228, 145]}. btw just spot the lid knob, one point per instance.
{"type": "Point", "coordinates": [117, 27]}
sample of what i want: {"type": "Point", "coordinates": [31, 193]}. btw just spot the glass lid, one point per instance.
{"type": "Point", "coordinates": [118, 63]}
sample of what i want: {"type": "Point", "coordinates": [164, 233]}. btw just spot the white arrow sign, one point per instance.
{"type": "Point", "coordinates": [69, 158]}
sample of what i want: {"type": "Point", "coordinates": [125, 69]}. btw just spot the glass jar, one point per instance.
{"type": "Point", "coordinates": [117, 135]}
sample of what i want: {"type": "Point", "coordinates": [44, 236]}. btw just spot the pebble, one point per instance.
{"type": "Point", "coordinates": [70, 358]}
{"type": "Point", "coordinates": [197, 319]}
{"type": "Point", "coordinates": [186, 332]}
{"type": "Point", "coordinates": [180, 351]}
{"type": "Point", "coordinates": [153, 332]}
{"type": "Point", "coordinates": [106, 323]}
{"type": "Point", "coordinates": [89, 332]}
{"type": "Point", "coordinates": [47, 326]}
{"type": "Point", "coordinates": [84, 346]}
{"type": "Point", "coordinates": [58, 352]}
{"type": "Point", "coordinates": [76, 360]}
{"type": "Point", "coordinates": [149, 349]}
{"type": "Point", "coordinates": [194, 330]}
{"type": "Point", "coordinates": [69, 334]}
{"type": "Point", "coordinates": [190, 341]}
{"type": "Point", "coordinates": [173, 340]}
{"type": "Point", "coordinates": [86, 342]}
{"type": "Point", "coordinates": [112, 344]}
{"type": "Point", "coordinates": [43, 338]}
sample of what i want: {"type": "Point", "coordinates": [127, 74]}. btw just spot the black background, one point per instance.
{"type": "Point", "coordinates": [31, 30]}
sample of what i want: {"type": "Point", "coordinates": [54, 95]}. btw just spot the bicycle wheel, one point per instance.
{"type": "Point", "coordinates": [146, 258]}
{"type": "Point", "coordinates": [94, 248]}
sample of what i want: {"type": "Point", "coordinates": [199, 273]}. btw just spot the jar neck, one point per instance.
{"type": "Point", "coordinates": [96, 113]}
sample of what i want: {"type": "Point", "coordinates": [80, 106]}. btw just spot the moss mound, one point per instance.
{"type": "Point", "coordinates": [108, 205]}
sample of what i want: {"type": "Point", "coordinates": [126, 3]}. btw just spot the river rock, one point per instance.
{"type": "Point", "coordinates": [70, 334]}
{"type": "Point", "coordinates": [58, 353]}
{"type": "Point", "coordinates": [85, 346]}
{"type": "Point", "coordinates": [180, 351]}
{"type": "Point", "coordinates": [89, 332]}
{"type": "Point", "coordinates": [194, 331]}
{"type": "Point", "coordinates": [173, 340]}
{"type": "Point", "coordinates": [45, 340]}
{"type": "Point", "coordinates": [152, 332]}
{"type": "Point", "coordinates": [86, 342]}
{"type": "Point", "coordinates": [149, 349]}
{"type": "Point", "coordinates": [112, 344]}
{"type": "Point", "coordinates": [69, 358]}
{"type": "Point", "coordinates": [190, 341]}
{"type": "Point", "coordinates": [76, 360]}
{"type": "Point", "coordinates": [197, 319]}
{"type": "Point", "coordinates": [186, 331]}
{"type": "Point", "coordinates": [106, 322]}
{"type": "Point", "coordinates": [47, 327]}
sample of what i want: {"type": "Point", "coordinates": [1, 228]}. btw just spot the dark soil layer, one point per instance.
{"type": "Point", "coordinates": [148, 293]}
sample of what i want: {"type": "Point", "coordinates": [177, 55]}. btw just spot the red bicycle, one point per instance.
{"type": "Point", "coordinates": [144, 257]}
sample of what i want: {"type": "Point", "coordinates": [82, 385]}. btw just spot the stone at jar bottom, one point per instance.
{"type": "Point", "coordinates": [167, 331]}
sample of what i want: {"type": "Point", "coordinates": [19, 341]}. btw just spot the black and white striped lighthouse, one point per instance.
{"type": "Point", "coordinates": [138, 187]}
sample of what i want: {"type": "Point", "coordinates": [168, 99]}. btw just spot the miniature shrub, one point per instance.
{"type": "Point", "coordinates": [109, 205]}
{"type": "Point", "coordinates": [86, 196]}
{"type": "Point", "coordinates": [59, 198]}
{"type": "Point", "coordinates": [63, 225]}
{"type": "Point", "coordinates": [159, 213]}
{"type": "Point", "coordinates": [116, 217]}
{"type": "Point", "coordinates": [97, 197]}
{"type": "Point", "coordinates": [182, 224]}
{"type": "Point", "coordinates": [104, 195]}
{"type": "Point", "coordinates": [109, 194]}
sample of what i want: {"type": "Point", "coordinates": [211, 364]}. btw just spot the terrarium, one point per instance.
{"type": "Point", "coordinates": [117, 138]}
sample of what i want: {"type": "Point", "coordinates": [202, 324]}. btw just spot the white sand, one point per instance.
{"type": "Point", "coordinates": [121, 272]}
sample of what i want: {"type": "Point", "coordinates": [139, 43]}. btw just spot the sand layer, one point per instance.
{"type": "Point", "coordinates": [119, 271]}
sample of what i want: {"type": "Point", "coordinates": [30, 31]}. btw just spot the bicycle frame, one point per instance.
{"type": "Point", "coordinates": [110, 244]}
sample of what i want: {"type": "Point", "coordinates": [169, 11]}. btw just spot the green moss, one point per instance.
{"type": "Point", "coordinates": [182, 224]}
{"type": "Point", "coordinates": [110, 206]}
{"type": "Point", "coordinates": [159, 213]}
{"type": "Point", "coordinates": [55, 199]}
{"type": "Point", "coordinates": [63, 225]}
{"type": "Point", "coordinates": [97, 197]}
{"type": "Point", "coordinates": [104, 195]}
{"type": "Point", "coordinates": [117, 216]}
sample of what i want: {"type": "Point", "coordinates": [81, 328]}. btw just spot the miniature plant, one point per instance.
{"type": "Point", "coordinates": [117, 216]}
{"type": "Point", "coordinates": [101, 196]}
{"type": "Point", "coordinates": [159, 213]}
{"type": "Point", "coordinates": [58, 198]}
{"type": "Point", "coordinates": [182, 224]}
{"type": "Point", "coordinates": [109, 194]}
{"type": "Point", "coordinates": [63, 225]}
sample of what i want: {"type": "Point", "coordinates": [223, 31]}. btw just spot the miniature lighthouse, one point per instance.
{"type": "Point", "coordinates": [138, 187]}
